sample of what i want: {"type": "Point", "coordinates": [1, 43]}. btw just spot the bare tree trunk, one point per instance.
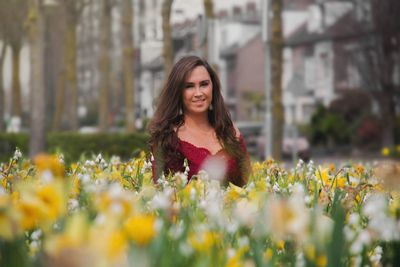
{"type": "Point", "coordinates": [60, 94]}
{"type": "Point", "coordinates": [71, 70]}
{"type": "Point", "coordinates": [16, 85]}
{"type": "Point", "coordinates": [36, 38]}
{"type": "Point", "coordinates": [2, 102]}
{"type": "Point", "coordinates": [209, 14]}
{"type": "Point", "coordinates": [105, 44]}
{"type": "Point", "coordinates": [167, 38]}
{"type": "Point", "coordinates": [128, 64]}
{"type": "Point", "coordinates": [276, 78]}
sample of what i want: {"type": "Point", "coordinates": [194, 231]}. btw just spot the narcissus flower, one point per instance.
{"type": "Point", "coordinates": [141, 229]}
{"type": "Point", "coordinates": [51, 163]}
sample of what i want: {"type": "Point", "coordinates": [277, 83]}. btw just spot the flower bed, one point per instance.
{"type": "Point", "coordinates": [109, 213]}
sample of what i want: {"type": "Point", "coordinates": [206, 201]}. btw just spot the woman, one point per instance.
{"type": "Point", "coordinates": [192, 122]}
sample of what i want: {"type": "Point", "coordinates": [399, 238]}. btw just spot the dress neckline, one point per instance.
{"type": "Point", "coordinates": [202, 148]}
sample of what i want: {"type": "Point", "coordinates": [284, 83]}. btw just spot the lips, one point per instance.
{"type": "Point", "coordinates": [199, 101]}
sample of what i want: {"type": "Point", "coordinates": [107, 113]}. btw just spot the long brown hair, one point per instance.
{"type": "Point", "coordinates": [168, 117]}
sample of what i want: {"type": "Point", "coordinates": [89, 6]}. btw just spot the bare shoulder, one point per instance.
{"type": "Point", "coordinates": [180, 131]}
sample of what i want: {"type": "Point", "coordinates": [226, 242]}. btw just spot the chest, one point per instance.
{"type": "Point", "coordinates": [207, 141]}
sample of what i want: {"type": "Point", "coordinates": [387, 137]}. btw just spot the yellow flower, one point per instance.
{"type": "Point", "coordinates": [341, 182]}
{"type": "Point", "coordinates": [117, 244]}
{"type": "Point", "coordinates": [398, 148]}
{"type": "Point", "coordinates": [74, 236]}
{"type": "Point", "coordinates": [30, 213]}
{"type": "Point", "coordinates": [332, 168]}
{"type": "Point", "coordinates": [280, 244]}
{"type": "Point", "coordinates": [321, 261]}
{"type": "Point", "coordinates": [45, 162]}
{"type": "Point", "coordinates": [52, 196]}
{"type": "Point", "coordinates": [141, 229]}
{"type": "Point", "coordinates": [323, 175]}
{"type": "Point", "coordinates": [234, 262]}
{"type": "Point", "coordinates": [268, 254]}
{"type": "Point", "coordinates": [8, 228]}
{"type": "Point", "coordinates": [204, 241]}
{"type": "Point", "coordinates": [359, 169]}
{"type": "Point", "coordinates": [310, 252]}
{"type": "Point", "coordinates": [233, 193]}
{"type": "Point", "coordinates": [385, 151]}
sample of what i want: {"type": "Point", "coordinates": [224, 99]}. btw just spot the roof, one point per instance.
{"type": "Point", "coordinates": [345, 27]}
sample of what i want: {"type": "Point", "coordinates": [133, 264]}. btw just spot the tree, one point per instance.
{"type": "Point", "coordinates": [3, 28]}
{"type": "Point", "coordinates": [379, 42]}
{"type": "Point", "coordinates": [105, 45]}
{"type": "Point", "coordinates": [73, 10]}
{"type": "Point", "coordinates": [14, 30]}
{"type": "Point", "coordinates": [276, 78]}
{"type": "Point", "coordinates": [127, 64]}
{"type": "Point", "coordinates": [387, 50]}
{"type": "Point", "coordinates": [209, 14]}
{"type": "Point", "coordinates": [36, 41]}
{"type": "Point", "coordinates": [2, 102]}
{"type": "Point", "coordinates": [167, 38]}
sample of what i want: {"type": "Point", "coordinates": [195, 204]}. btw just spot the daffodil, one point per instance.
{"type": "Point", "coordinates": [50, 163]}
{"type": "Point", "coordinates": [141, 229]}
{"type": "Point", "coordinates": [204, 241]}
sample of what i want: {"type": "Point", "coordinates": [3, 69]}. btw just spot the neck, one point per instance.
{"type": "Point", "coordinates": [199, 121]}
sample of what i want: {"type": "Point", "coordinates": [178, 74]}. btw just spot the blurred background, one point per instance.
{"type": "Point", "coordinates": [311, 79]}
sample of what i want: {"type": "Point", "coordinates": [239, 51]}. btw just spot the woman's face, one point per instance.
{"type": "Point", "coordinates": [197, 91]}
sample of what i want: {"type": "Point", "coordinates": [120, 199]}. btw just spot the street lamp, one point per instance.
{"type": "Point", "coordinates": [267, 58]}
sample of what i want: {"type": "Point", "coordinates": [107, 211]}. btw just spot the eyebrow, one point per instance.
{"type": "Point", "coordinates": [208, 80]}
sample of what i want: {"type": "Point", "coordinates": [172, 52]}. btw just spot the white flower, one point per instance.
{"type": "Point", "coordinates": [61, 158]}
{"type": "Point", "coordinates": [162, 200]}
{"type": "Point", "coordinates": [376, 255]}
{"type": "Point", "coordinates": [36, 234]}
{"type": "Point", "coordinates": [246, 213]}
{"type": "Point", "coordinates": [17, 154]}
{"type": "Point", "coordinates": [181, 178]}
{"type": "Point", "coordinates": [73, 204]}
{"type": "Point", "coordinates": [354, 180]}
{"type": "Point", "coordinates": [185, 249]}
{"type": "Point", "coordinates": [300, 261]}
{"type": "Point", "coordinates": [215, 167]}
{"type": "Point", "coordinates": [276, 188]}
{"type": "Point", "coordinates": [374, 205]}
{"type": "Point", "coordinates": [349, 233]}
{"type": "Point", "coordinates": [99, 158]}
{"type": "Point", "coordinates": [115, 191]}
{"type": "Point", "coordinates": [363, 239]}
{"type": "Point", "coordinates": [116, 208]}
{"type": "Point", "coordinates": [146, 166]}
{"type": "Point", "coordinates": [115, 160]}
{"type": "Point", "coordinates": [307, 200]}
{"type": "Point", "coordinates": [90, 163]}
{"type": "Point", "coordinates": [47, 177]}
{"type": "Point", "coordinates": [354, 219]}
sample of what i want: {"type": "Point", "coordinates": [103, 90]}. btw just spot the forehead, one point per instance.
{"type": "Point", "coordinates": [199, 73]}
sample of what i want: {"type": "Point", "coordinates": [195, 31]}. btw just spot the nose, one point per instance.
{"type": "Point", "coordinates": [197, 92]}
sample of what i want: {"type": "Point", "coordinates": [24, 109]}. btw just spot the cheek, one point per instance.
{"type": "Point", "coordinates": [185, 97]}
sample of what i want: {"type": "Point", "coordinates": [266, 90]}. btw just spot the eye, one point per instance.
{"type": "Point", "coordinates": [188, 86]}
{"type": "Point", "coordinates": [205, 83]}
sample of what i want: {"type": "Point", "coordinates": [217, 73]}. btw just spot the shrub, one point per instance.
{"type": "Point", "coordinates": [73, 145]}
{"type": "Point", "coordinates": [10, 141]}
{"type": "Point", "coordinates": [328, 128]}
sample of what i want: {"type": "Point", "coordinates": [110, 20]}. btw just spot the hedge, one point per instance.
{"type": "Point", "coordinates": [74, 145]}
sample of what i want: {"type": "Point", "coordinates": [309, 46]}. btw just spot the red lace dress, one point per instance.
{"type": "Point", "coordinates": [196, 156]}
